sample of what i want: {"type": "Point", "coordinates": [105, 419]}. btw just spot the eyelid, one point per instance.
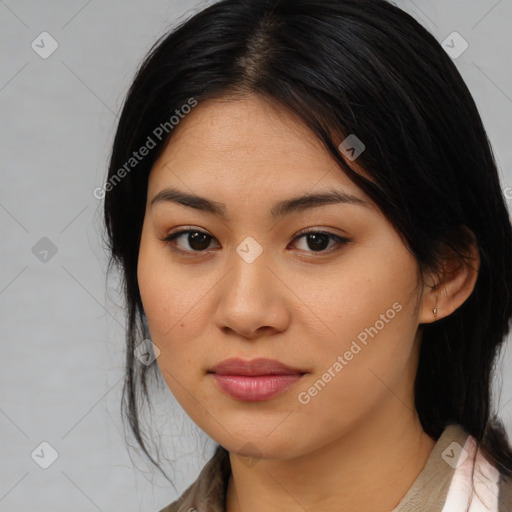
{"type": "Point", "coordinates": [340, 240]}
{"type": "Point", "coordinates": [183, 230]}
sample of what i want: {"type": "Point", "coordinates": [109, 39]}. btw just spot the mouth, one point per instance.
{"type": "Point", "coordinates": [256, 380]}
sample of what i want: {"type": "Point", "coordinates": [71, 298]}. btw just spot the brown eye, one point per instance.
{"type": "Point", "coordinates": [196, 240]}
{"type": "Point", "coordinates": [318, 241]}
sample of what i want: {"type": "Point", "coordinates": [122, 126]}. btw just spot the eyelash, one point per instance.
{"type": "Point", "coordinates": [340, 241]}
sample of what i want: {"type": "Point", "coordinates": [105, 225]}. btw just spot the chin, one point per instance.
{"type": "Point", "coordinates": [263, 448]}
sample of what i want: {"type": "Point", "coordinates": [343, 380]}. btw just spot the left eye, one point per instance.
{"type": "Point", "coordinates": [199, 241]}
{"type": "Point", "coordinates": [317, 240]}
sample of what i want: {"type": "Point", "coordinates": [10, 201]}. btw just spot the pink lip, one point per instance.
{"type": "Point", "coordinates": [255, 380]}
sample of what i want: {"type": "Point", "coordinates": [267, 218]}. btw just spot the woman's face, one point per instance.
{"type": "Point", "coordinates": [343, 313]}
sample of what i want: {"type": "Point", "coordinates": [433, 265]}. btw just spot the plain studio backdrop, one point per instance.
{"type": "Point", "coordinates": [62, 349]}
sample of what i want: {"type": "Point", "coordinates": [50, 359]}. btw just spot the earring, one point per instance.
{"type": "Point", "coordinates": [435, 311]}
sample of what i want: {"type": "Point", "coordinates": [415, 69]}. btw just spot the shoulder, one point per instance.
{"type": "Point", "coordinates": [505, 493]}
{"type": "Point", "coordinates": [458, 475]}
{"type": "Point", "coordinates": [476, 477]}
{"type": "Point", "coordinates": [208, 492]}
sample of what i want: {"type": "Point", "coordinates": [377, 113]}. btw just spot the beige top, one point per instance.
{"type": "Point", "coordinates": [443, 485]}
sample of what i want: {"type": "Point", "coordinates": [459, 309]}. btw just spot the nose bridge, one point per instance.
{"type": "Point", "coordinates": [249, 294]}
{"type": "Point", "coordinates": [249, 302]}
{"type": "Point", "coordinates": [249, 267]}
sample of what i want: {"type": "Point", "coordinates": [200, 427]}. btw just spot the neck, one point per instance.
{"type": "Point", "coordinates": [371, 467]}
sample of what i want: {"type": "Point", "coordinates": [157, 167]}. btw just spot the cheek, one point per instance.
{"type": "Point", "coordinates": [368, 313]}
{"type": "Point", "coordinates": [353, 295]}
{"type": "Point", "coordinates": [172, 304]}
{"type": "Point", "coordinates": [172, 307]}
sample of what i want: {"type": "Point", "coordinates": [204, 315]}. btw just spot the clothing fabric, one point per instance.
{"type": "Point", "coordinates": [443, 485]}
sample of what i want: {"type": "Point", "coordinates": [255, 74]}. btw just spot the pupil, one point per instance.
{"type": "Point", "coordinates": [199, 239]}
{"type": "Point", "coordinates": [316, 238]}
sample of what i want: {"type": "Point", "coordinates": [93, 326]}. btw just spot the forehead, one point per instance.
{"type": "Point", "coordinates": [250, 145]}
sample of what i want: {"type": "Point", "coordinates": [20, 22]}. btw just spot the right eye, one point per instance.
{"type": "Point", "coordinates": [197, 240]}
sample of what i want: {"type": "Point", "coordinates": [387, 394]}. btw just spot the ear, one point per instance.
{"type": "Point", "coordinates": [448, 290]}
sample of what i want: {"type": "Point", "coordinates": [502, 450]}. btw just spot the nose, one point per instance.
{"type": "Point", "coordinates": [252, 300]}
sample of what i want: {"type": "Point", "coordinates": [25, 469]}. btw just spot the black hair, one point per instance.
{"type": "Point", "coordinates": [362, 67]}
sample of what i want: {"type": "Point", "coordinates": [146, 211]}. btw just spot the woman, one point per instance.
{"type": "Point", "coordinates": [310, 225]}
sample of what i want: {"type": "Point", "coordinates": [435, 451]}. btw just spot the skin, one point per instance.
{"type": "Point", "coordinates": [357, 445]}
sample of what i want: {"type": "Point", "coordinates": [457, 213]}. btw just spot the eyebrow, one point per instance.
{"type": "Point", "coordinates": [280, 209]}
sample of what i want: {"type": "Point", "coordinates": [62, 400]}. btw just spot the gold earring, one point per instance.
{"type": "Point", "coordinates": [435, 311]}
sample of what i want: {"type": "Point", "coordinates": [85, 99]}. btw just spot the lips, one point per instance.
{"type": "Point", "coordinates": [260, 366]}
{"type": "Point", "coordinates": [255, 380]}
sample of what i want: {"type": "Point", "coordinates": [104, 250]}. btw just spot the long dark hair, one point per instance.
{"type": "Point", "coordinates": [360, 67]}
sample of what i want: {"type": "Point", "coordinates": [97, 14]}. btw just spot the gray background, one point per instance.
{"type": "Point", "coordinates": [62, 347]}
